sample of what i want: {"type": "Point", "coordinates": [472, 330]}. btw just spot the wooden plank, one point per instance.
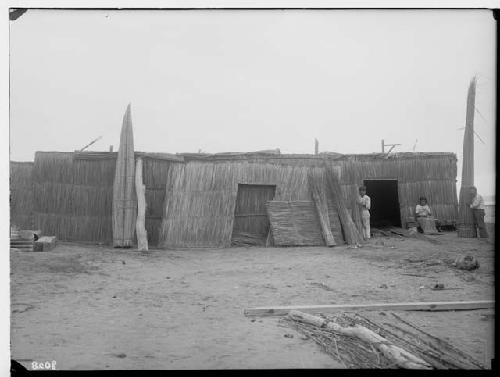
{"type": "Point", "coordinates": [407, 306]}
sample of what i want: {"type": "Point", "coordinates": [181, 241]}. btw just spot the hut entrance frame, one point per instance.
{"type": "Point", "coordinates": [385, 208]}
{"type": "Point", "coordinates": [250, 215]}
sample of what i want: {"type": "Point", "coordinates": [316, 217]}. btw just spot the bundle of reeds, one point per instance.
{"type": "Point", "coordinates": [319, 200]}
{"type": "Point", "coordinates": [356, 212]}
{"type": "Point", "coordinates": [124, 198]}
{"type": "Point", "coordinates": [465, 222]}
{"type": "Point", "coordinates": [351, 233]}
{"type": "Point", "coordinates": [357, 353]}
{"type": "Point", "coordinates": [140, 226]}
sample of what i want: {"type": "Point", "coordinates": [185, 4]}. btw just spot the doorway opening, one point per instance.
{"type": "Point", "coordinates": [384, 197]}
{"type": "Point", "coordinates": [251, 224]}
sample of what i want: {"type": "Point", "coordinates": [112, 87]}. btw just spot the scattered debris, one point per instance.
{"type": "Point", "coordinates": [383, 286]}
{"type": "Point", "coordinates": [417, 275]}
{"type": "Point", "coordinates": [323, 286]}
{"type": "Point", "coordinates": [466, 262]}
{"type": "Point", "coordinates": [487, 316]}
{"type": "Point", "coordinates": [21, 308]}
{"type": "Point", "coordinates": [361, 338]}
{"type": "Point", "coordinates": [437, 286]}
{"type": "Point", "coordinates": [288, 335]}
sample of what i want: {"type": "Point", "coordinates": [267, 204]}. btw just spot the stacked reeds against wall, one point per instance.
{"type": "Point", "coordinates": [124, 199]}
{"type": "Point", "coordinates": [351, 233]}
{"type": "Point", "coordinates": [140, 226]}
{"type": "Point", "coordinates": [319, 200]}
{"type": "Point", "coordinates": [465, 223]}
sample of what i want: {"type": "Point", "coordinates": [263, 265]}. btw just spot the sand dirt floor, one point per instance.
{"type": "Point", "coordinates": [90, 307]}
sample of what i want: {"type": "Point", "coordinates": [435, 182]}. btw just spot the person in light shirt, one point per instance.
{"type": "Point", "coordinates": [422, 210]}
{"type": "Point", "coordinates": [477, 206]}
{"type": "Point", "coordinates": [365, 203]}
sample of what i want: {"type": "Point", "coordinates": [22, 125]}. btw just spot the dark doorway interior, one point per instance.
{"type": "Point", "coordinates": [384, 202]}
{"type": "Point", "coordinates": [251, 224]}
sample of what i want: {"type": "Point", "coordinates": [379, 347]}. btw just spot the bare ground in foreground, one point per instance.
{"type": "Point", "coordinates": [90, 307]}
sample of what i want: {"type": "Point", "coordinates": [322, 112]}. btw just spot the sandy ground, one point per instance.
{"type": "Point", "coordinates": [100, 308]}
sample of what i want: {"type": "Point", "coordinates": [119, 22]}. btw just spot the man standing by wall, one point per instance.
{"type": "Point", "coordinates": [477, 206]}
{"type": "Point", "coordinates": [365, 203]}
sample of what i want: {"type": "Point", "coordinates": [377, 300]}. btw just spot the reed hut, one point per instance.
{"type": "Point", "coordinates": [201, 200]}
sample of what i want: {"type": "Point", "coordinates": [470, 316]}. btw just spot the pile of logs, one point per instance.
{"type": "Point", "coordinates": [357, 342]}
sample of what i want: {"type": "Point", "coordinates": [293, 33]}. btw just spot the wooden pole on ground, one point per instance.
{"type": "Point", "coordinates": [140, 227]}
{"type": "Point", "coordinates": [399, 356]}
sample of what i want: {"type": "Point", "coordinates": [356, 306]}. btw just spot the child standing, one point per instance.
{"type": "Point", "coordinates": [365, 203]}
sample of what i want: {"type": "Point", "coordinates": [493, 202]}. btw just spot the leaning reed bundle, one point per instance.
{"type": "Point", "coordinates": [124, 199]}
{"type": "Point", "coordinates": [465, 221]}
{"type": "Point", "coordinates": [356, 212]}
{"type": "Point", "coordinates": [351, 233]}
{"type": "Point", "coordinates": [319, 200]}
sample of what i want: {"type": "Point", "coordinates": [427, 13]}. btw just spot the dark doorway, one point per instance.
{"type": "Point", "coordinates": [384, 202]}
{"type": "Point", "coordinates": [251, 224]}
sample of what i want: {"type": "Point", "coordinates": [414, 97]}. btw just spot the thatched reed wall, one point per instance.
{"type": "Point", "coordinates": [21, 194]}
{"type": "Point", "coordinates": [201, 194]}
{"type": "Point", "coordinates": [191, 199]}
{"type": "Point", "coordinates": [74, 194]}
{"type": "Point", "coordinates": [73, 197]}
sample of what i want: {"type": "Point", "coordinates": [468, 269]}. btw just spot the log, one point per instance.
{"type": "Point", "coordinates": [399, 356]}
{"type": "Point", "coordinates": [407, 306]}
{"type": "Point", "coordinates": [140, 227]}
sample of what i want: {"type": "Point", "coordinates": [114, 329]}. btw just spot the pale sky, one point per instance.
{"type": "Point", "coordinates": [250, 80]}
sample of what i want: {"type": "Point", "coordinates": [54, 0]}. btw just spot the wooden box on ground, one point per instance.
{"type": "Point", "coordinates": [45, 243]}
{"type": "Point", "coordinates": [21, 245]}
